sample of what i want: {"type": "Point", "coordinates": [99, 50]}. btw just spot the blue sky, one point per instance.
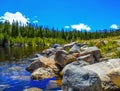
{"type": "Point", "coordinates": [76, 14]}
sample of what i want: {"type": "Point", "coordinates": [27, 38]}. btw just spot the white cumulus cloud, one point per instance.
{"type": "Point", "coordinates": [80, 27]}
{"type": "Point", "coordinates": [67, 26]}
{"type": "Point", "coordinates": [14, 16]}
{"type": "Point", "coordinates": [35, 21]}
{"type": "Point", "coordinates": [114, 26]}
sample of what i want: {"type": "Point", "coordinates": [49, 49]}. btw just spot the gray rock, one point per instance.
{"type": "Point", "coordinates": [102, 69]}
{"type": "Point", "coordinates": [73, 43]}
{"type": "Point", "coordinates": [42, 73]}
{"type": "Point", "coordinates": [74, 65]}
{"type": "Point", "coordinates": [41, 62]}
{"type": "Point", "coordinates": [59, 48]}
{"type": "Point", "coordinates": [62, 58]}
{"type": "Point", "coordinates": [69, 45]}
{"type": "Point", "coordinates": [48, 52]}
{"type": "Point", "coordinates": [38, 55]}
{"type": "Point", "coordinates": [81, 80]}
{"type": "Point", "coordinates": [33, 59]}
{"type": "Point", "coordinates": [52, 56]}
{"type": "Point", "coordinates": [75, 49]}
{"type": "Point", "coordinates": [56, 45]}
{"type": "Point", "coordinates": [94, 51]}
{"type": "Point", "coordinates": [83, 48]}
{"type": "Point", "coordinates": [88, 58]}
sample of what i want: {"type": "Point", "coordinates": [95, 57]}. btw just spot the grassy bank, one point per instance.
{"type": "Point", "coordinates": [109, 47]}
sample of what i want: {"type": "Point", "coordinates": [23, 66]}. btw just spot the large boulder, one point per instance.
{"type": "Point", "coordinates": [102, 70]}
{"type": "Point", "coordinates": [75, 49]}
{"type": "Point", "coordinates": [88, 58]}
{"type": "Point", "coordinates": [69, 45]}
{"type": "Point", "coordinates": [94, 51]}
{"type": "Point", "coordinates": [62, 58]}
{"type": "Point", "coordinates": [80, 80]}
{"type": "Point", "coordinates": [42, 73]}
{"type": "Point", "coordinates": [41, 62]}
{"type": "Point", "coordinates": [106, 71]}
{"type": "Point", "coordinates": [74, 65]}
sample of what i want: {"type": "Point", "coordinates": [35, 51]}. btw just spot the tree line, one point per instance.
{"type": "Point", "coordinates": [32, 35]}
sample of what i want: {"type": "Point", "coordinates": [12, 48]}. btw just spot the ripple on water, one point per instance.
{"type": "Point", "coordinates": [14, 77]}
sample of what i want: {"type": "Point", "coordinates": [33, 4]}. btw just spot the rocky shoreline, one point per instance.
{"type": "Point", "coordinates": [81, 67]}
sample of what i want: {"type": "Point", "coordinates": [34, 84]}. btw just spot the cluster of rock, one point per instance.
{"type": "Point", "coordinates": [80, 66]}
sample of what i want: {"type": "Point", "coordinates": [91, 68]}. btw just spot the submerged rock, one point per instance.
{"type": "Point", "coordinates": [81, 80]}
{"type": "Point", "coordinates": [33, 89]}
{"type": "Point", "coordinates": [15, 68]}
{"type": "Point", "coordinates": [42, 73]}
{"type": "Point", "coordinates": [53, 84]}
{"type": "Point", "coordinates": [24, 78]}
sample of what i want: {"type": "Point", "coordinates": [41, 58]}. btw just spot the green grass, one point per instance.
{"type": "Point", "coordinates": [117, 54]}
{"type": "Point", "coordinates": [107, 46]}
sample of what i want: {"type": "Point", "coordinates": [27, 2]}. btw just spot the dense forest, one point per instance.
{"type": "Point", "coordinates": [32, 35]}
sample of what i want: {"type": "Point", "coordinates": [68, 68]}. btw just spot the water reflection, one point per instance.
{"type": "Point", "coordinates": [14, 77]}
{"type": "Point", "coordinates": [13, 53]}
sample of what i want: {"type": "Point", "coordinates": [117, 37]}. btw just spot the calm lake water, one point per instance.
{"type": "Point", "coordinates": [14, 77]}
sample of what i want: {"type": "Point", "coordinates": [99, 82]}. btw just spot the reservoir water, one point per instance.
{"type": "Point", "coordinates": [14, 77]}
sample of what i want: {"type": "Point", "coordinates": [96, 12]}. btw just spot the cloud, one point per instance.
{"type": "Point", "coordinates": [80, 27]}
{"type": "Point", "coordinates": [35, 16]}
{"type": "Point", "coordinates": [35, 21]}
{"type": "Point", "coordinates": [114, 26]}
{"type": "Point", "coordinates": [14, 16]}
{"type": "Point", "coordinates": [67, 26]}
